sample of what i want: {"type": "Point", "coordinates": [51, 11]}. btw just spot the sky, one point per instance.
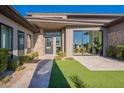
{"type": "Point", "coordinates": [113, 9]}
{"type": "Point", "coordinates": [81, 38]}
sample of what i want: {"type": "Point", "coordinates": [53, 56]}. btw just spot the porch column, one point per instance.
{"type": "Point", "coordinates": [39, 43]}
{"type": "Point", "coordinates": [25, 44]}
{"type": "Point", "coordinates": [15, 43]}
{"type": "Point", "coordinates": [63, 40]}
{"type": "Point", "coordinates": [105, 41]}
{"type": "Point", "coordinates": [69, 42]}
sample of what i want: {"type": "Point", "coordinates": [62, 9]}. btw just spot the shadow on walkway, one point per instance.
{"type": "Point", "coordinates": [41, 75]}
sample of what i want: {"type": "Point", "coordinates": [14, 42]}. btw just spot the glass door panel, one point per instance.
{"type": "Point", "coordinates": [87, 43]}
{"type": "Point", "coordinates": [97, 43]}
{"type": "Point", "coordinates": [77, 43]}
{"type": "Point", "coordinates": [49, 45]}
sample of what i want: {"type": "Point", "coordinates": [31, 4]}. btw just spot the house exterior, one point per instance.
{"type": "Point", "coordinates": [48, 33]}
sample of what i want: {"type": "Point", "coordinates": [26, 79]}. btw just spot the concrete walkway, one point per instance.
{"type": "Point", "coordinates": [97, 63]}
{"type": "Point", "coordinates": [35, 75]}
{"type": "Point", "coordinates": [22, 78]}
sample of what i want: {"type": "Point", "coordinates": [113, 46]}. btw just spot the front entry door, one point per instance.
{"type": "Point", "coordinates": [48, 45]}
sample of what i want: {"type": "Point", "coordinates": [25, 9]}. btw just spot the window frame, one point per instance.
{"type": "Point", "coordinates": [10, 50]}
{"type": "Point", "coordinates": [19, 31]}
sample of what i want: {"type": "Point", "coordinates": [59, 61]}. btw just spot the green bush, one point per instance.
{"type": "Point", "coordinates": [61, 54]}
{"type": "Point", "coordinates": [36, 54]}
{"type": "Point", "coordinates": [116, 52]}
{"type": "Point", "coordinates": [31, 56]}
{"type": "Point", "coordinates": [13, 64]}
{"type": "Point", "coordinates": [119, 56]}
{"type": "Point", "coordinates": [27, 58]}
{"type": "Point", "coordinates": [120, 52]}
{"type": "Point", "coordinates": [22, 59]}
{"type": "Point", "coordinates": [3, 59]}
{"type": "Point", "coordinates": [111, 51]}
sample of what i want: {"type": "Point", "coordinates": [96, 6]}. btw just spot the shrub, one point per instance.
{"type": "Point", "coordinates": [119, 56]}
{"type": "Point", "coordinates": [61, 54]}
{"type": "Point", "coordinates": [117, 52]}
{"type": "Point", "coordinates": [13, 64]}
{"type": "Point", "coordinates": [31, 56]}
{"type": "Point", "coordinates": [22, 59]}
{"type": "Point", "coordinates": [111, 51]}
{"type": "Point", "coordinates": [36, 54]}
{"type": "Point", "coordinates": [27, 58]}
{"type": "Point", "coordinates": [3, 59]}
{"type": "Point", "coordinates": [120, 52]}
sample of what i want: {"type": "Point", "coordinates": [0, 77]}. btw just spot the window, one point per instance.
{"type": "Point", "coordinates": [29, 44]}
{"type": "Point", "coordinates": [6, 40]}
{"type": "Point", "coordinates": [20, 43]}
{"type": "Point", "coordinates": [58, 44]}
{"type": "Point", "coordinates": [87, 42]}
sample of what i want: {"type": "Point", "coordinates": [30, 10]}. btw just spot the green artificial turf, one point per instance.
{"type": "Point", "coordinates": [71, 73]}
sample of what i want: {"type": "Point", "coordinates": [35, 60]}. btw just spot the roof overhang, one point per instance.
{"type": "Point", "coordinates": [61, 23]}
{"type": "Point", "coordinates": [115, 22]}
{"type": "Point", "coordinates": [11, 13]}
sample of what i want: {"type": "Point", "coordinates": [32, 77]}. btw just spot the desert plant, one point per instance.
{"type": "Point", "coordinates": [61, 54]}
{"type": "Point", "coordinates": [116, 52]}
{"type": "Point", "coordinates": [77, 82]}
{"type": "Point", "coordinates": [28, 58]}
{"type": "Point", "coordinates": [119, 56]}
{"type": "Point", "coordinates": [120, 52]}
{"type": "Point", "coordinates": [36, 54]}
{"type": "Point", "coordinates": [23, 59]}
{"type": "Point", "coordinates": [31, 56]}
{"type": "Point", "coordinates": [111, 51]}
{"type": "Point", "coordinates": [13, 64]}
{"type": "Point", "coordinates": [3, 59]}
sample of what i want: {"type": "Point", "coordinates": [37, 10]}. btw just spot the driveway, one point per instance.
{"type": "Point", "coordinates": [97, 63]}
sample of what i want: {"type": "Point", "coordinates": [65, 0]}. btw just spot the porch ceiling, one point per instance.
{"type": "Point", "coordinates": [58, 24]}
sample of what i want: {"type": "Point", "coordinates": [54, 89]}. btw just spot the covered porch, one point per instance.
{"type": "Point", "coordinates": [58, 35]}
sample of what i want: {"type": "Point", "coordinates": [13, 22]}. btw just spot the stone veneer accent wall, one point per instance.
{"type": "Point", "coordinates": [116, 35]}
{"type": "Point", "coordinates": [39, 43]}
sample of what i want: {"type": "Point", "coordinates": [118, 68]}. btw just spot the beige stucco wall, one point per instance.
{"type": "Point", "coordinates": [16, 27]}
{"type": "Point", "coordinates": [116, 34]}
{"type": "Point", "coordinates": [69, 38]}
